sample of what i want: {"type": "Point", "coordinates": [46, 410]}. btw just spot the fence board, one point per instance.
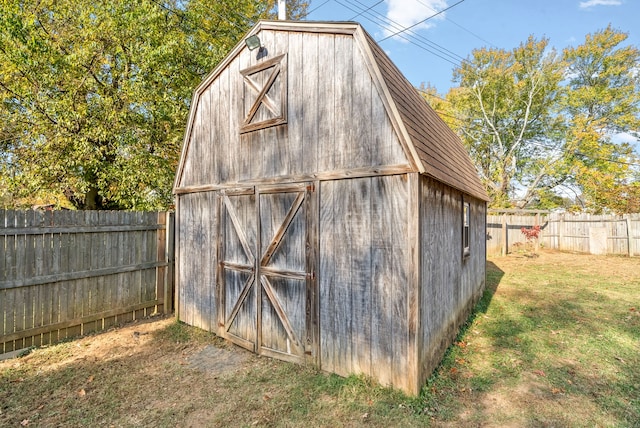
{"type": "Point", "coordinates": [66, 273]}
{"type": "Point", "coordinates": [564, 231]}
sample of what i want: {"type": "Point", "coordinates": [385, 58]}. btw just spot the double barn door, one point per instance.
{"type": "Point", "coordinates": [266, 281]}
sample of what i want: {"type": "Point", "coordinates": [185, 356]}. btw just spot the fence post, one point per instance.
{"type": "Point", "coordinates": [560, 232]}
{"type": "Point", "coordinates": [629, 236]}
{"type": "Point", "coordinates": [170, 241]}
{"type": "Point", "coordinates": [537, 223]}
{"type": "Point", "coordinates": [505, 234]}
{"type": "Point", "coordinates": [176, 259]}
{"type": "Point", "coordinates": [161, 236]}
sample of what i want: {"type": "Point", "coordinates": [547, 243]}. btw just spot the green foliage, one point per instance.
{"type": "Point", "coordinates": [506, 100]}
{"type": "Point", "coordinates": [95, 95]}
{"type": "Point", "coordinates": [603, 99]}
{"type": "Point", "coordinates": [533, 121]}
{"type": "Point", "coordinates": [546, 199]}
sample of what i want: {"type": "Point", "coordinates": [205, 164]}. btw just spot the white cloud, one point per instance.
{"type": "Point", "coordinates": [406, 13]}
{"type": "Point", "coordinates": [593, 3]}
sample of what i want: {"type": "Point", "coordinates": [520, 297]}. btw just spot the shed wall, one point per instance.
{"type": "Point", "coordinates": [363, 278]}
{"type": "Point", "coordinates": [392, 284]}
{"type": "Point", "coordinates": [336, 119]}
{"type": "Point", "coordinates": [196, 226]}
{"type": "Point", "coordinates": [450, 283]}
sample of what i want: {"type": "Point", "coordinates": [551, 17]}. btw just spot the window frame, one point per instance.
{"type": "Point", "coordinates": [276, 69]}
{"type": "Point", "coordinates": [466, 229]}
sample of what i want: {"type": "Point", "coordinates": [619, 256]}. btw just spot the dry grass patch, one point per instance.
{"type": "Point", "coordinates": [555, 341]}
{"type": "Point", "coordinates": [142, 374]}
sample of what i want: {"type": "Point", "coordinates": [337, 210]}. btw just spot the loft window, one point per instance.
{"type": "Point", "coordinates": [265, 94]}
{"type": "Point", "coordinates": [466, 217]}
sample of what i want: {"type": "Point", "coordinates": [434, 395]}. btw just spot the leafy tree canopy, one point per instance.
{"type": "Point", "coordinates": [94, 95]}
{"type": "Point", "coordinates": [602, 100]}
{"type": "Point", "coordinates": [535, 121]}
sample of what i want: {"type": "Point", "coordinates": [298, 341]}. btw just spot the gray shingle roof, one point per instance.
{"type": "Point", "coordinates": [440, 150]}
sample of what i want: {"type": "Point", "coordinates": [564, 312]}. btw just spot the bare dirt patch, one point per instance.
{"type": "Point", "coordinates": [158, 372]}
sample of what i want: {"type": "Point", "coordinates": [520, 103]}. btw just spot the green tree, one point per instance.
{"type": "Point", "coordinates": [94, 95]}
{"type": "Point", "coordinates": [603, 100]}
{"type": "Point", "coordinates": [535, 123]}
{"type": "Point", "coordinates": [439, 103]}
{"type": "Point", "coordinates": [505, 104]}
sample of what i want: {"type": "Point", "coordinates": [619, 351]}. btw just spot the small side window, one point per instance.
{"type": "Point", "coordinates": [466, 216]}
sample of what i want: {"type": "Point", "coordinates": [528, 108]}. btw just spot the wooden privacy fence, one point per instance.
{"type": "Point", "coordinates": [504, 228]}
{"type": "Point", "coordinates": [584, 233]}
{"type": "Point", "coordinates": [65, 273]}
{"type": "Point", "coordinates": [595, 234]}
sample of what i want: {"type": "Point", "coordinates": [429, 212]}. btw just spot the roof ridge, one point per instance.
{"type": "Point", "coordinates": [441, 151]}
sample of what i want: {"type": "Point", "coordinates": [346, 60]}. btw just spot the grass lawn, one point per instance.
{"type": "Point", "coordinates": [555, 341]}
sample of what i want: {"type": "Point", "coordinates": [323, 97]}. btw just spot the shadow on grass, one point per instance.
{"type": "Point", "coordinates": [429, 401]}
{"type": "Point", "coordinates": [553, 350]}
{"type": "Point", "coordinates": [145, 378]}
{"type": "Point", "coordinates": [493, 277]}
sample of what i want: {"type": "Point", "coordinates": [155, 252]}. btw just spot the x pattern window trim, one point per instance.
{"type": "Point", "coordinates": [278, 110]}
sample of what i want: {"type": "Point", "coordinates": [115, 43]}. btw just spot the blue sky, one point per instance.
{"type": "Point", "coordinates": [437, 44]}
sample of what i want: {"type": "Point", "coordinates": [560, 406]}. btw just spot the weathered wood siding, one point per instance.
{"type": "Point", "coordinates": [501, 227]}
{"type": "Point", "coordinates": [244, 266]}
{"type": "Point", "coordinates": [238, 247]}
{"type": "Point", "coordinates": [196, 247]}
{"type": "Point", "coordinates": [348, 284]}
{"type": "Point", "coordinates": [336, 120]}
{"type": "Point", "coordinates": [572, 232]}
{"type": "Point", "coordinates": [450, 283]}
{"type": "Point", "coordinates": [363, 277]}
{"type": "Point", "coordinates": [564, 231]}
{"type": "Point", "coordinates": [285, 241]}
{"type": "Point", "coordinates": [65, 273]}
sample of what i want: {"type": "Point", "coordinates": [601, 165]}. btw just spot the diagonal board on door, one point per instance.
{"type": "Point", "coordinates": [237, 295]}
{"type": "Point", "coordinates": [264, 277]}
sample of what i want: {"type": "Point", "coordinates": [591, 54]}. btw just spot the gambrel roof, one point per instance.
{"type": "Point", "coordinates": [441, 152]}
{"type": "Point", "coordinates": [430, 146]}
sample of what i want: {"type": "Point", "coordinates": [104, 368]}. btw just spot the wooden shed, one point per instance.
{"type": "Point", "coordinates": [325, 214]}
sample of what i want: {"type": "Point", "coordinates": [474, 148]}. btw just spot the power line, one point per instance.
{"type": "Point", "coordinates": [318, 7]}
{"type": "Point", "coordinates": [413, 37]}
{"type": "Point", "coordinates": [397, 26]}
{"type": "Point", "coordinates": [384, 25]}
{"type": "Point", "coordinates": [457, 25]}
{"type": "Point", "coordinates": [472, 33]}
{"type": "Point", "coordinates": [420, 22]}
{"type": "Point", "coordinates": [390, 25]}
{"type": "Point", "coordinates": [183, 16]}
{"type": "Point", "coordinates": [432, 95]}
{"type": "Point", "coordinates": [364, 11]}
{"type": "Point", "coordinates": [421, 42]}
